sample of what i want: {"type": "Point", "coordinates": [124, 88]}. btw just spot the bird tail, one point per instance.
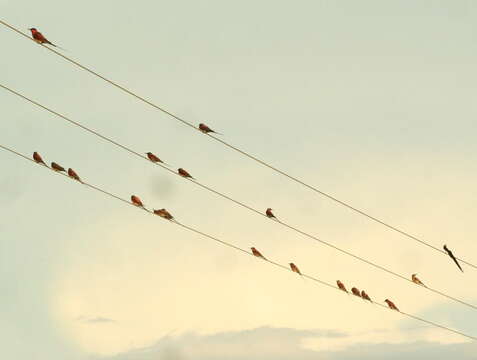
{"type": "Point", "coordinates": [56, 46]}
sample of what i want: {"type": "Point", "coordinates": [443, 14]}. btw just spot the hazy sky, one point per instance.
{"type": "Point", "coordinates": [372, 101]}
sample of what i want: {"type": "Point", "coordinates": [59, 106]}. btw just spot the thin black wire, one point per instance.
{"type": "Point", "coordinates": [315, 238]}
{"type": "Point", "coordinates": [301, 182]}
{"type": "Point", "coordinates": [225, 243]}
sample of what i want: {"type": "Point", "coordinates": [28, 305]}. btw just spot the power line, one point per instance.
{"type": "Point", "coordinates": [250, 156]}
{"type": "Point", "coordinates": [237, 248]}
{"type": "Point", "coordinates": [310, 236]}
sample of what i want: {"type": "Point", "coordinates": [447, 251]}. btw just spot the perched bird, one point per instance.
{"type": "Point", "coordinates": [295, 268]}
{"type": "Point", "coordinates": [257, 253]}
{"type": "Point", "coordinates": [365, 296]}
{"type": "Point", "coordinates": [270, 214]}
{"type": "Point", "coordinates": [136, 201]}
{"type": "Point", "coordinates": [72, 174]}
{"type": "Point", "coordinates": [205, 129]}
{"type": "Point", "coordinates": [452, 257]}
{"type": "Point", "coordinates": [39, 38]}
{"type": "Point", "coordinates": [38, 158]}
{"type": "Point", "coordinates": [164, 214]}
{"type": "Point", "coordinates": [341, 286]}
{"type": "Point", "coordinates": [154, 158]}
{"type": "Point", "coordinates": [391, 305]}
{"type": "Point", "coordinates": [57, 167]}
{"type": "Point", "coordinates": [355, 292]}
{"type": "Point", "coordinates": [184, 173]}
{"type": "Point", "coordinates": [416, 280]}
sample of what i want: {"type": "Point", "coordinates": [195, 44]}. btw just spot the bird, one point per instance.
{"type": "Point", "coordinates": [57, 167]}
{"type": "Point", "coordinates": [136, 201]}
{"type": "Point", "coordinates": [205, 129]}
{"type": "Point", "coordinates": [72, 174]}
{"type": "Point", "coordinates": [416, 280]}
{"type": "Point", "coordinates": [257, 253]}
{"type": "Point", "coordinates": [294, 268]}
{"type": "Point", "coordinates": [38, 158]}
{"type": "Point", "coordinates": [365, 296]}
{"type": "Point", "coordinates": [270, 214]}
{"type": "Point", "coordinates": [391, 305]}
{"type": "Point", "coordinates": [164, 214]}
{"type": "Point", "coordinates": [153, 158]}
{"type": "Point", "coordinates": [355, 292]}
{"type": "Point", "coordinates": [184, 173]}
{"type": "Point", "coordinates": [39, 38]}
{"type": "Point", "coordinates": [452, 257]}
{"type": "Point", "coordinates": [341, 286]}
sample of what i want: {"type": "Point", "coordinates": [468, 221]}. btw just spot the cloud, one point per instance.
{"type": "Point", "coordinates": [267, 343]}
{"type": "Point", "coordinates": [95, 320]}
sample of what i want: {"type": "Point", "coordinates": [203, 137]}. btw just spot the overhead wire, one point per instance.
{"type": "Point", "coordinates": [245, 153]}
{"type": "Point", "coordinates": [239, 203]}
{"type": "Point", "coordinates": [237, 248]}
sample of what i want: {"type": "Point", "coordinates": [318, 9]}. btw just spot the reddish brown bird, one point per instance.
{"type": "Point", "coordinates": [136, 201]}
{"type": "Point", "coordinates": [154, 158]}
{"type": "Point", "coordinates": [355, 292]}
{"type": "Point", "coordinates": [257, 253]}
{"type": "Point", "coordinates": [205, 129]}
{"type": "Point", "coordinates": [416, 280]}
{"type": "Point", "coordinates": [365, 296]}
{"type": "Point", "coordinates": [184, 173]}
{"type": "Point", "coordinates": [341, 286]}
{"type": "Point", "coordinates": [294, 268]}
{"type": "Point", "coordinates": [38, 158]}
{"type": "Point", "coordinates": [39, 38]}
{"type": "Point", "coordinates": [164, 214]}
{"type": "Point", "coordinates": [57, 167]}
{"type": "Point", "coordinates": [269, 213]}
{"type": "Point", "coordinates": [391, 305]}
{"type": "Point", "coordinates": [72, 174]}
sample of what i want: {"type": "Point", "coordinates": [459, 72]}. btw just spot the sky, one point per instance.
{"type": "Point", "coordinates": [371, 101]}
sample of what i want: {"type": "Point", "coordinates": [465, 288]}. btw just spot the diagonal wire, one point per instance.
{"type": "Point", "coordinates": [310, 236]}
{"type": "Point", "coordinates": [237, 248]}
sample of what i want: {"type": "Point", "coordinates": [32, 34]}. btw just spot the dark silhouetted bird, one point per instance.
{"type": "Point", "coordinates": [391, 305]}
{"type": "Point", "coordinates": [136, 201]}
{"type": "Point", "coordinates": [416, 280]}
{"type": "Point", "coordinates": [452, 257]}
{"type": "Point", "coordinates": [38, 158]}
{"type": "Point", "coordinates": [365, 296]}
{"type": "Point", "coordinates": [205, 129]}
{"type": "Point", "coordinates": [341, 286]}
{"type": "Point", "coordinates": [72, 174]}
{"type": "Point", "coordinates": [57, 167]}
{"type": "Point", "coordinates": [257, 253]}
{"type": "Point", "coordinates": [294, 268]}
{"type": "Point", "coordinates": [184, 173]}
{"type": "Point", "coordinates": [355, 291]}
{"type": "Point", "coordinates": [164, 214]}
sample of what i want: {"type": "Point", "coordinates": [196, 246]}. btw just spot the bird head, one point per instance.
{"type": "Point", "coordinates": [413, 275]}
{"type": "Point", "coordinates": [252, 248]}
{"type": "Point", "coordinates": [149, 153]}
{"type": "Point", "coordinates": [33, 30]}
